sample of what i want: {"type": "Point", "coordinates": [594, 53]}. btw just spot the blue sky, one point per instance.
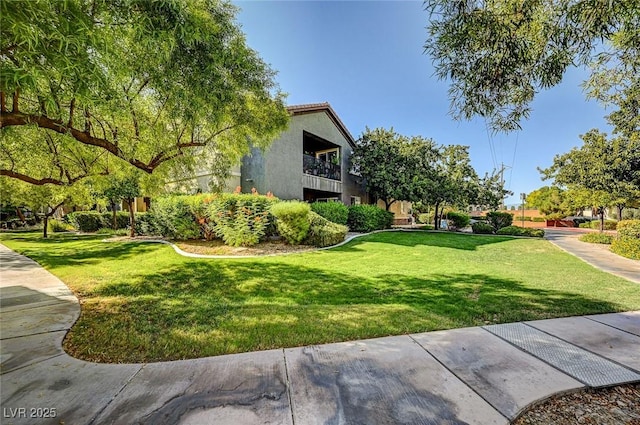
{"type": "Point", "coordinates": [366, 59]}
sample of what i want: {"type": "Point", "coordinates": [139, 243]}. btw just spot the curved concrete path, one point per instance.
{"type": "Point", "coordinates": [598, 255]}
{"type": "Point", "coordinates": [482, 375]}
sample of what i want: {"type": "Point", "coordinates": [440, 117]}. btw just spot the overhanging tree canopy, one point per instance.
{"type": "Point", "coordinates": [498, 54]}
{"type": "Point", "coordinates": [86, 83]}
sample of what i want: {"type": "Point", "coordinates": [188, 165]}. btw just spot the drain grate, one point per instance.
{"type": "Point", "coordinates": [586, 367]}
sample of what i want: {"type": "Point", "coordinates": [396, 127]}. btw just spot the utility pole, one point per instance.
{"type": "Point", "coordinates": [523, 196]}
{"type": "Point", "coordinates": [502, 168]}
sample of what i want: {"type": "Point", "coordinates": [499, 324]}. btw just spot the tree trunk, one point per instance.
{"type": "Point", "coordinates": [132, 217]}
{"type": "Point", "coordinates": [114, 219]}
{"type": "Point", "coordinates": [601, 212]}
{"type": "Point", "coordinates": [388, 204]}
{"type": "Point", "coordinates": [436, 219]}
{"type": "Point", "coordinates": [46, 225]}
{"type": "Point", "coordinates": [620, 208]}
{"type": "Point", "coordinates": [20, 215]}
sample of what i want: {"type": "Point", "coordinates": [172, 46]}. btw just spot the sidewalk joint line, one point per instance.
{"type": "Point", "coordinates": [460, 379]}
{"type": "Point", "coordinates": [34, 363]}
{"type": "Point", "coordinates": [99, 412]}
{"type": "Point", "coordinates": [286, 374]}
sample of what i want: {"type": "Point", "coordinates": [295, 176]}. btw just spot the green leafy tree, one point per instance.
{"type": "Point", "coordinates": [453, 180]}
{"type": "Point", "coordinates": [551, 201]}
{"type": "Point", "coordinates": [604, 171]}
{"type": "Point", "coordinates": [45, 198]}
{"type": "Point", "coordinates": [499, 54]}
{"type": "Point", "coordinates": [156, 84]}
{"type": "Point", "coordinates": [380, 159]}
{"type": "Point", "coordinates": [125, 188]}
{"type": "Point", "coordinates": [491, 191]}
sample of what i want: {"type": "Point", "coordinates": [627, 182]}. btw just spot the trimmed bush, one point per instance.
{"type": "Point", "coordinates": [367, 218]}
{"type": "Point", "coordinates": [626, 247]}
{"type": "Point", "coordinates": [627, 243]}
{"type": "Point", "coordinates": [171, 217]}
{"type": "Point", "coordinates": [56, 226]}
{"type": "Point", "coordinates": [629, 229]}
{"type": "Point", "coordinates": [498, 220]}
{"type": "Point", "coordinates": [602, 238]}
{"type": "Point", "coordinates": [145, 224]}
{"type": "Point", "coordinates": [482, 228]}
{"type": "Point", "coordinates": [538, 219]}
{"type": "Point", "coordinates": [521, 231]}
{"type": "Point", "coordinates": [241, 219]}
{"type": "Point", "coordinates": [595, 224]}
{"type": "Point", "coordinates": [323, 232]}
{"type": "Point", "coordinates": [122, 219]}
{"type": "Point", "coordinates": [336, 212]}
{"type": "Point", "coordinates": [292, 220]}
{"type": "Point", "coordinates": [86, 221]}
{"type": "Point", "coordinates": [458, 220]}
{"type": "Point", "coordinates": [425, 218]}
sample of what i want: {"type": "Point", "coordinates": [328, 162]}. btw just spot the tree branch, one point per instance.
{"type": "Point", "coordinates": [31, 180]}
{"type": "Point", "coordinates": [3, 102]}
{"type": "Point", "coordinates": [17, 119]}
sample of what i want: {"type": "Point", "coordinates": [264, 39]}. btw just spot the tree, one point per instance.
{"type": "Point", "coordinates": [47, 198]}
{"type": "Point", "coordinates": [380, 159]}
{"type": "Point", "coordinates": [86, 84]}
{"type": "Point", "coordinates": [552, 202]}
{"type": "Point", "coordinates": [491, 191]}
{"type": "Point", "coordinates": [123, 188]}
{"type": "Point", "coordinates": [604, 171]}
{"type": "Point", "coordinates": [453, 180]}
{"type": "Point", "coordinates": [499, 54]}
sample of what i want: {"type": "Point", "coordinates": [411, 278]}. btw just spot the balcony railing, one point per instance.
{"type": "Point", "coordinates": [317, 167]}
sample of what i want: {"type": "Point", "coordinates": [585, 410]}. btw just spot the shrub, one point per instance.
{"type": "Point", "coordinates": [323, 232]}
{"type": "Point", "coordinates": [521, 231]}
{"type": "Point", "coordinates": [498, 220]}
{"type": "Point", "coordinates": [425, 218]}
{"type": "Point", "coordinates": [602, 238]}
{"type": "Point", "coordinates": [145, 224]}
{"type": "Point", "coordinates": [171, 217]}
{"type": "Point", "coordinates": [292, 220]}
{"type": "Point", "coordinates": [595, 224]}
{"type": "Point", "coordinates": [627, 243]}
{"type": "Point", "coordinates": [538, 219]}
{"type": "Point", "coordinates": [627, 247]}
{"type": "Point", "coordinates": [240, 219]}
{"type": "Point", "coordinates": [56, 226]}
{"type": "Point", "coordinates": [336, 212]}
{"type": "Point", "coordinates": [122, 219]}
{"type": "Point", "coordinates": [482, 228]}
{"type": "Point", "coordinates": [367, 218]}
{"type": "Point", "coordinates": [458, 220]}
{"type": "Point", "coordinates": [86, 221]}
{"type": "Point", "coordinates": [629, 229]}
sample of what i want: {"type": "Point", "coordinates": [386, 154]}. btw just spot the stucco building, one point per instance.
{"type": "Point", "coordinates": [309, 161]}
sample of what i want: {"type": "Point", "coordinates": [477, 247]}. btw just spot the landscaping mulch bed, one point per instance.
{"type": "Point", "coordinates": [606, 406]}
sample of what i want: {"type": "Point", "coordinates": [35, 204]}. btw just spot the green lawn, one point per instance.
{"type": "Point", "coordinates": [143, 302]}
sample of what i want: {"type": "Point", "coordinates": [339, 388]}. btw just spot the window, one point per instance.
{"type": "Point", "coordinates": [355, 200]}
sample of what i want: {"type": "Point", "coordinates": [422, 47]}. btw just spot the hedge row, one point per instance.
{"type": "Point", "coordinates": [92, 221]}
{"type": "Point", "coordinates": [627, 243]}
{"type": "Point", "coordinates": [595, 224]}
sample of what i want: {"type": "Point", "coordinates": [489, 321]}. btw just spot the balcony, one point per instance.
{"type": "Point", "coordinates": [317, 167]}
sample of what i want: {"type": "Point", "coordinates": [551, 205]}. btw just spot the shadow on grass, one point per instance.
{"type": "Point", "coordinates": [202, 309]}
{"type": "Point", "coordinates": [436, 239]}
{"type": "Point", "coordinates": [56, 251]}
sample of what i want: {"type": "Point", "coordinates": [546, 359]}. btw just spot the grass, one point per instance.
{"type": "Point", "coordinates": [143, 302]}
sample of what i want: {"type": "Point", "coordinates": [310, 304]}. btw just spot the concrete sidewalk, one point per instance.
{"type": "Point", "coordinates": [482, 375]}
